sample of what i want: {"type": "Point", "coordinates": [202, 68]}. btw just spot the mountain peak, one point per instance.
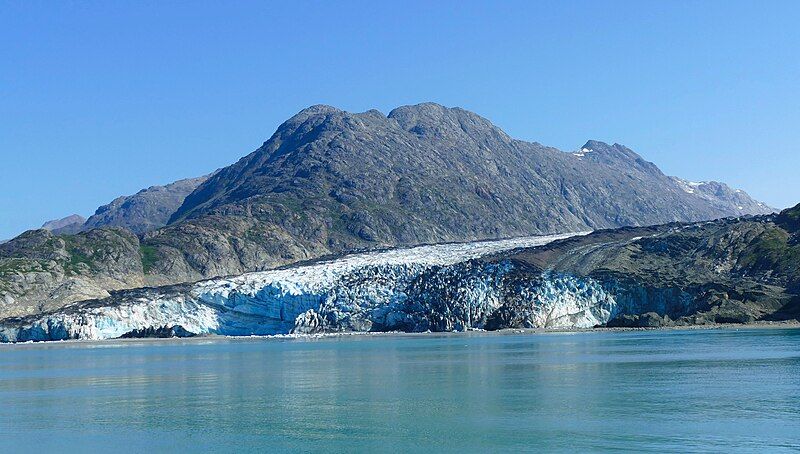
{"type": "Point", "coordinates": [616, 155]}
{"type": "Point", "coordinates": [146, 210]}
{"type": "Point", "coordinates": [721, 194]}
{"type": "Point", "coordinates": [424, 108]}
{"type": "Point", "coordinates": [311, 119]}
{"type": "Point", "coordinates": [600, 146]}
{"type": "Point", "coordinates": [311, 112]}
{"type": "Point", "coordinates": [319, 109]}
{"type": "Point", "coordinates": [592, 145]}
{"type": "Point", "coordinates": [69, 224]}
{"type": "Point", "coordinates": [434, 111]}
{"type": "Point", "coordinates": [435, 120]}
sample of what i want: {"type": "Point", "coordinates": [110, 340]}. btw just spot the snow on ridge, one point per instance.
{"type": "Point", "coordinates": [689, 186]}
{"type": "Point", "coordinates": [582, 152]}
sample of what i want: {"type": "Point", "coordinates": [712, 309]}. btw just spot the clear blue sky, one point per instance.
{"type": "Point", "coordinates": [101, 99]}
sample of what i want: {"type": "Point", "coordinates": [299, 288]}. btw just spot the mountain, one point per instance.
{"type": "Point", "coordinates": [147, 210]}
{"type": "Point", "coordinates": [420, 159]}
{"type": "Point", "coordinates": [68, 225]}
{"type": "Point", "coordinates": [724, 271]}
{"type": "Point", "coordinates": [723, 197]}
{"type": "Point", "coordinates": [329, 182]}
{"type": "Point", "coordinates": [717, 196]}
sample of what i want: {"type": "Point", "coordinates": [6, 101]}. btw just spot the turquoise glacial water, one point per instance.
{"type": "Point", "coordinates": [664, 391]}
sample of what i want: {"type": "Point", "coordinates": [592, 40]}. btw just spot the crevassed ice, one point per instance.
{"type": "Point", "coordinates": [305, 278]}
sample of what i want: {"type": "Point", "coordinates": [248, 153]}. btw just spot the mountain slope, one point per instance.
{"type": "Point", "coordinates": [724, 197]}
{"type": "Point", "coordinates": [40, 271]}
{"type": "Point", "coordinates": [146, 210]}
{"type": "Point", "coordinates": [67, 225]}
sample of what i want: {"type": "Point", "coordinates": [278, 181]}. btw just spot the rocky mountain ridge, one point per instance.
{"type": "Point", "coordinates": [147, 210]}
{"type": "Point", "coordinates": [65, 226]}
{"type": "Point", "coordinates": [41, 271]}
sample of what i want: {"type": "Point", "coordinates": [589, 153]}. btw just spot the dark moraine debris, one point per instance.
{"type": "Point", "coordinates": [160, 333]}
{"type": "Point", "coordinates": [646, 320]}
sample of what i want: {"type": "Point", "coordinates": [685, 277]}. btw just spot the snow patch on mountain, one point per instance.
{"type": "Point", "coordinates": [583, 151]}
{"type": "Point", "coordinates": [689, 186]}
{"type": "Point", "coordinates": [721, 195]}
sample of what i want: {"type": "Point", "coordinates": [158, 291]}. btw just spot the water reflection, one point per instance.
{"type": "Point", "coordinates": [643, 390]}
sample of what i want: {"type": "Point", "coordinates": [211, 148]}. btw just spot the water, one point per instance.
{"type": "Point", "coordinates": [680, 391]}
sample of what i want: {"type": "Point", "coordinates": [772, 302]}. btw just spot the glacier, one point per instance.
{"type": "Point", "coordinates": [444, 287]}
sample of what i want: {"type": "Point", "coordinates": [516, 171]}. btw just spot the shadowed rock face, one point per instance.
{"type": "Point", "coordinates": [789, 219]}
{"type": "Point", "coordinates": [161, 332]}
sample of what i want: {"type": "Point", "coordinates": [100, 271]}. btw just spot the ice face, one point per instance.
{"type": "Point", "coordinates": [437, 287]}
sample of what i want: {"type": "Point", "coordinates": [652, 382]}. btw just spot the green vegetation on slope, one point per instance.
{"type": "Point", "coordinates": [149, 257]}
